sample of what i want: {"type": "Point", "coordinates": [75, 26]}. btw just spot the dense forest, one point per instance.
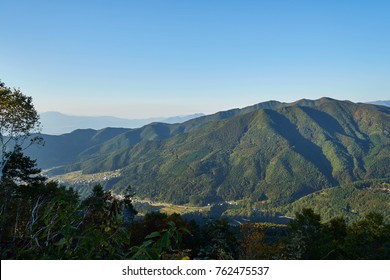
{"type": "Point", "coordinates": [41, 220]}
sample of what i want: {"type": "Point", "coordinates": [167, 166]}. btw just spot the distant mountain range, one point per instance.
{"type": "Point", "coordinates": [381, 102]}
{"type": "Point", "coordinates": [55, 123]}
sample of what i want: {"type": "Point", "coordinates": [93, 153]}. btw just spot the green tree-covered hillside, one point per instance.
{"type": "Point", "coordinates": [271, 153]}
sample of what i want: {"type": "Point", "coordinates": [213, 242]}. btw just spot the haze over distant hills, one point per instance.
{"type": "Point", "coordinates": [270, 154]}
{"type": "Point", "coordinates": [55, 123]}
{"type": "Point", "coordinates": [381, 102]}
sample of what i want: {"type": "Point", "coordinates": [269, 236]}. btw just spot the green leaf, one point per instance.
{"type": "Point", "coordinates": [61, 242]}
{"type": "Point", "coordinates": [171, 223]}
{"type": "Point", "coordinates": [153, 235]}
{"type": "Point", "coordinates": [165, 242]}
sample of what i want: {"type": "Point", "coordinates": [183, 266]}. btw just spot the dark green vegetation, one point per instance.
{"type": "Point", "coordinates": [41, 220]}
{"type": "Point", "coordinates": [271, 157]}
{"type": "Point", "coordinates": [18, 120]}
{"type": "Point", "coordinates": [352, 201]}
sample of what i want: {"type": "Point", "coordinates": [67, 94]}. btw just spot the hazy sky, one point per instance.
{"type": "Point", "coordinates": [162, 58]}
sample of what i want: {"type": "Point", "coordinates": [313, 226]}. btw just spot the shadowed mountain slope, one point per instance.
{"type": "Point", "coordinates": [271, 152]}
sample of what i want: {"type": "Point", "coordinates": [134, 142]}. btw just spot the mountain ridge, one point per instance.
{"type": "Point", "coordinates": [381, 102]}
{"type": "Point", "coordinates": [56, 123]}
{"type": "Point", "coordinates": [269, 153]}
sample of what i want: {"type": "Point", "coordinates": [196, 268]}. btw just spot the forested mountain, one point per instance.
{"type": "Point", "coordinates": [271, 153]}
{"type": "Point", "coordinates": [73, 147]}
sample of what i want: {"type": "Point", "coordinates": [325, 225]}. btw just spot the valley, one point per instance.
{"type": "Point", "coordinates": [270, 157]}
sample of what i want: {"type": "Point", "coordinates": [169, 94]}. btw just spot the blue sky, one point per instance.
{"type": "Point", "coordinates": [162, 58]}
